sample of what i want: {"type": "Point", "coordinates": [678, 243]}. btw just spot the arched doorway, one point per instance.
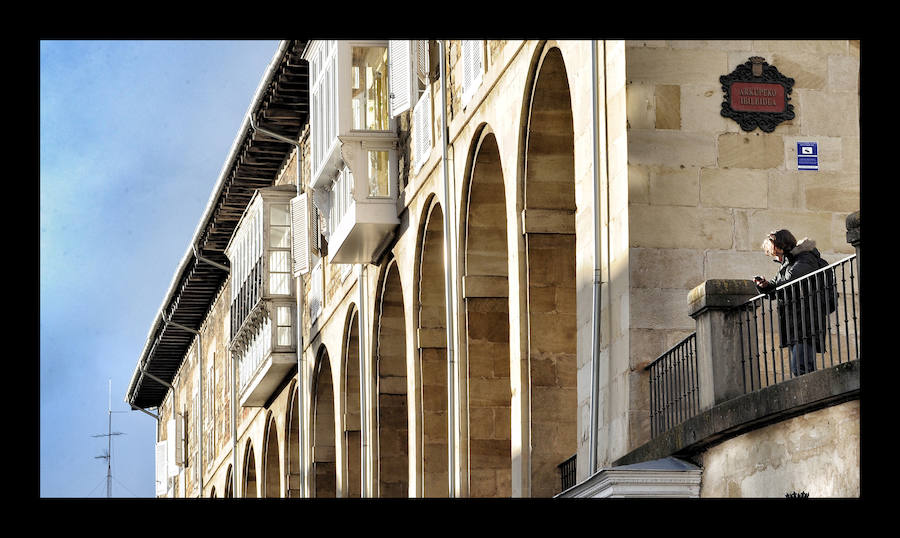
{"type": "Point", "coordinates": [486, 296]}
{"type": "Point", "coordinates": [250, 488]}
{"type": "Point", "coordinates": [431, 341]}
{"type": "Point", "coordinates": [350, 391]}
{"type": "Point", "coordinates": [324, 469]}
{"type": "Point", "coordinates": [392, 405]}
{"type": "Point", "coordinates": [549, 226]}
{"type": "Point", "coordinates": [271, 463]}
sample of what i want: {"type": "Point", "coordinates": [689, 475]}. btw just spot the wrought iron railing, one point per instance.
{"type": "Point", "coordinates": [807, 324]}
{"type": "Point", "coordinates": [674, 386]}
{"type": "Point", "coordinates": [567, 472]}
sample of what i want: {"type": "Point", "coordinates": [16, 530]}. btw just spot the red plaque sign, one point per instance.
{"type": "Point", "coordinates": [757, 97]}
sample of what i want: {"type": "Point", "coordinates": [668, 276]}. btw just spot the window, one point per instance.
{"type": "Point", "coordinates": [284, 333]}
{"type": "Point", "coordinates": [379, 174]}
{"type": "Point", "coordinates": [279, 249]}
{"type": "Point", "coordinates": [369, 89]}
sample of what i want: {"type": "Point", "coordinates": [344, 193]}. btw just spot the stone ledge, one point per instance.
{"type": "Point", "coordinates": [720, 294]}
{"type": "Point", "coordinates": [816, 390]}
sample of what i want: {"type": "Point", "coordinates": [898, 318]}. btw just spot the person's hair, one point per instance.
{"type": "Point", "coordinates": [782, 239]}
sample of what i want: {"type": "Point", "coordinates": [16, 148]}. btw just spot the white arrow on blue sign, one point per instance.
{"type": "Point", "coordinates": [807, 156]}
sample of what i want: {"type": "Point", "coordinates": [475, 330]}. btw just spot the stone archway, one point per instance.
{"type": "Point", "coordinates": [431, 343]}
{"type": "Point", "coordinates": [292, 446]}
{"type": "Point", "coordinates": [549, 227]}
{"type": "Point", "coordinates": [324, 473]}
{"type": "Point", "coordinates": [250, 489]}
{"type": "Point", "coordinates": [229, 483]}
{"type": "Point", "coordinates": [486, 298]}
{"type": "Point", "coordinates": [350, 391]}
{"type": "Point", "coordinates": [393, 402]}
{"type": "Point", "coordinates": [271, 461]}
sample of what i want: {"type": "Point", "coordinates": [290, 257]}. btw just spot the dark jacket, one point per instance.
{"type": "Point", "coordinates": [803, 307]}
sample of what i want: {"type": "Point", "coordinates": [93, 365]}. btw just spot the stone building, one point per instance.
{"type": "Point", "coordinates": [443, 268]}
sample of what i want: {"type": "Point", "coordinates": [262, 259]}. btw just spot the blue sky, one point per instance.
{"type": "Point", "coordinates": [133, 136]}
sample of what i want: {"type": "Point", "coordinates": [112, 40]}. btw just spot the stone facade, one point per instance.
{"type": "Point", "coordinates": [686, 196]}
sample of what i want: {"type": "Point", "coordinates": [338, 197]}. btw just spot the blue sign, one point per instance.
{"type": "Point", "coordinates": [807, 156]}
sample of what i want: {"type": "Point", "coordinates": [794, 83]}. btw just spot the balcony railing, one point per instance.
{"type": "Point", "coordinates": [247, 297]}
{"type": "Point", "coordinates": [674, 386]}
{"type": "Point", "coordinates": [807, 324]}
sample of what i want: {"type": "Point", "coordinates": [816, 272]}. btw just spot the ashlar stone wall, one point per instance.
{"type": "Point", "coordinates": [703, 193]}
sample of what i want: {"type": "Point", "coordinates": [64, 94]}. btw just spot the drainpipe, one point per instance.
{"type": "Point", "coordinates": [235, 489]}
{"type": "Point", "coordinates": [595, 322]}
{"type": "Point", "coordinates": [299, 287]}
{"type": "Point", "coordinates": [448, 281]}
{"type": "Point", "coordinates": [363, 379]}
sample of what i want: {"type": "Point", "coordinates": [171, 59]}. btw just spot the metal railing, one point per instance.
{"type": "Point", "coordinates": [247, 297]}
{"type": "Point", "coordinates": [674, 387]}
{"type": "Point", "coordinates": [567, 472]}
{"type": "Point", "coordinates": [806, 324]}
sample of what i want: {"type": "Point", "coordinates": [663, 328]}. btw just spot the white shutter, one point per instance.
{"type": "Point", "coordinates": [472, 66]}
{"type": "Point", "coordinates": [422, 130]}
{"type": "Point", "coordinates": [315, 293]}
{"type": "Point", "coordinates": [423, 61]}
{"type": "Point", "coordinates": [401, 78]}
{"type": "Point", "coordinates": [162, 474]}
{"type": "Point", "coordinates": [175, 438]}
{"type": "Point", "coordinates": [300, 234]}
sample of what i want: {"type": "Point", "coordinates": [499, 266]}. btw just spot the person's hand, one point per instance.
{"type": "Point", "coordinates": [760, 281]}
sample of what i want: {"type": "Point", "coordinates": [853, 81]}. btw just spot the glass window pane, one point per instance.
{"type": "Point", "coordinates": [370, 91]}
{"type": "Point", "coordinates": [279, 237]}
{"type": "Point", "coordinates": [283, 316]}
{"type": "Point", "coordinates": [279, 261]}
{"type": "Point", "coordinates": [284, 336]}
{"type": "Point", "coordinates": [378, 174]}
{"type": "Point", "coordinates": [280, 215]}
{"type": "Point", "coordinates": [279, 283]}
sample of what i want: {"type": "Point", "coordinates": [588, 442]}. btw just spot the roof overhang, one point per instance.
{"type": "Point", "coordinates": [280, 105]}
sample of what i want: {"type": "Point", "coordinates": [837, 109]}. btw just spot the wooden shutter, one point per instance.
{"type": "Point", "coordinates": [423, 61]}
{"type": "Point", "coordinates": [401, 77]}
{"type": "Point", "coordinates": [472, 66]}
{"type": "Point", "coordinates": [300, 234]}
{"type": "Point", "coordinates": [175, 439]}
{"type": "Point", "coordinates": [162, 471]}
{"type": "Point", "coordinates": [422, 130]}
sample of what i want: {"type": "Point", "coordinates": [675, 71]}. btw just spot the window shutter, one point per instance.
{"type": "Point", "coordinates": [400, 75]}
{"type": "Point", "coordinates": [423, 61]}
{"type": "Point", "coordinates": [422, 130]}
{"type": "Point", "coordinates": [472, 60]}
{"type": "Point", "coordinates": [315, 293]}
{"type": "Point", "coordinates": [300, 234]}
{"type": "Point", "coordinates": [162, 475]}
{"type": "Point", "coordinates": [175, 439]}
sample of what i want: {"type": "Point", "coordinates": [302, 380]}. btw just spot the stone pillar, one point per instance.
{"type": "Point", "coordinates": [853, 236]}
{"type": "Point", "coordinates": [711, 304]}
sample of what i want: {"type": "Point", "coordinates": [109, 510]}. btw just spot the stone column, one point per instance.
{"type": "Point", "coordinates": [711, 304]}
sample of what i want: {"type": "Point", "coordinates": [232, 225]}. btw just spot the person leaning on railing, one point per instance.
{"type": "Point", "coordinates": [801, 312]}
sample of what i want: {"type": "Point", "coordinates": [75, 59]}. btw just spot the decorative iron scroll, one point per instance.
{"type": "Point", "coordinates": [757, 95]}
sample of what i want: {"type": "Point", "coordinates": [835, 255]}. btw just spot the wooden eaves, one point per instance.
{"type": "Point", "coordinates": [280, 105]}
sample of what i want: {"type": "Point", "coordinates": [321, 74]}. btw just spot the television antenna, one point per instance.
{"type": "Point", "coordinates": [107, 454]}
